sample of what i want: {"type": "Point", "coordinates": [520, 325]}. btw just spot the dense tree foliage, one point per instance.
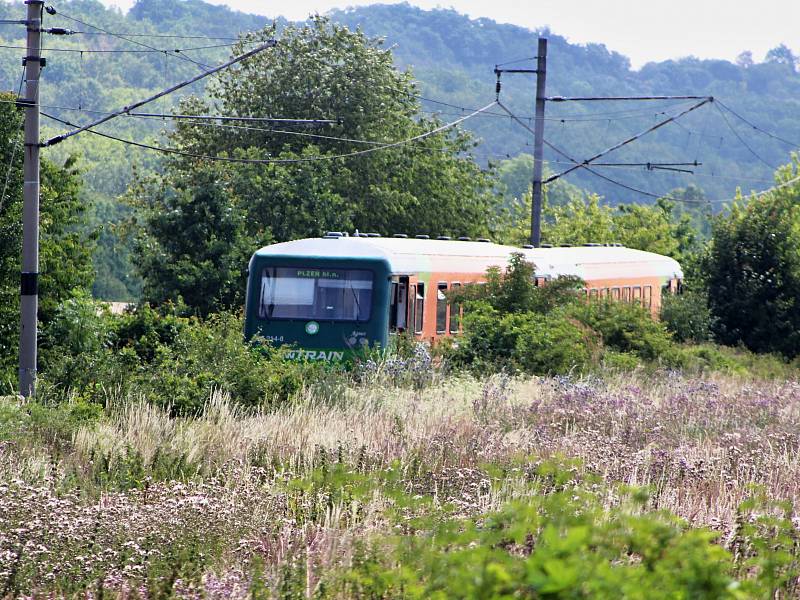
{"type": "Point", "coordinates": [65, 249]}
{"type": "Point", "coordinates": [451, 57]}
{"type": "Point", "coordinates": [753, 270]}
{"type": "Point", "coordinates": [224, 211]}
{"type": "Point", "coordinates": [584, 219]}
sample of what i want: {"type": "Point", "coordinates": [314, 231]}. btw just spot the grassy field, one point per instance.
{"type": "Point", "coordinates": [636, 485]}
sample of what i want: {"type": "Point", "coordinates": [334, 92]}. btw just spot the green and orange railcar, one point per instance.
{"type": "Point", "coordinates": [330, 296]}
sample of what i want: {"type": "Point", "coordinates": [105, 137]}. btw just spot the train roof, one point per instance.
{"type": "Point", "coordinates": [413, 255]}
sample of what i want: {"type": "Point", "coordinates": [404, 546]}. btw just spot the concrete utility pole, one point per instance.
{"type": "Point", "coordinates": [538, 133]}
{"type": "Point", "coordinates": [538, 144]}
{"type": "Point", "coordinates": [29, 288]}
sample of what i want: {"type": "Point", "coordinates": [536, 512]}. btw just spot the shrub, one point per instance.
{"type": "Point", "coordinates": [172, 361]}
{"type": "Point", "coordinates": [687, 316]}
{"type": "Point", "coordinates": [212, 355]}
{"type": "Point", "coordinates": [625, 327]}
{"type": "Point", "coordinates": [736, 361]}
{"type": "Point", "coordinates": [527, 342]}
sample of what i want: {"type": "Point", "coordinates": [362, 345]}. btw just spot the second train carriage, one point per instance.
{"type": "Point", "coordinates": [332, 295]}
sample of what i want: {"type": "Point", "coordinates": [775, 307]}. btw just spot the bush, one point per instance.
{"type": "Point", "coordinates": [212, 355]}
{"type": "Point", "coordinates": [625, 328]}
{"type": "Point", "coordinates": [527, 342]}
{"type": "Point", "coordinates": [172, 361]}
{"type": "Point", "coordinates": [736, 361]}
{"type": "Point", "coordinates": [687, 316]}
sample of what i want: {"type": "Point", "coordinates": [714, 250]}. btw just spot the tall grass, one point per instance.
{"type": "Point", "coordinates": [247, 502]}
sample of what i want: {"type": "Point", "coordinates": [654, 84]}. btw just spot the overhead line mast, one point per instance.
{"type": "Point", "coordinates": [538, 130]}
{"type": "Point", "coordinates": [29, 277]}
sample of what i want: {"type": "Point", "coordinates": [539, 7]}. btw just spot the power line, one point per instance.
{"type": "Point", "coordinates": [630, 139]}
{"type": "Point", "coordinates": [123, 51]}
{"type": "Point", "coordinates": [745, 144]}
{"type": "Point", "coordinates": [694, 174]}
{"type": "Point", "coordinates": [272, 130]}
{"type": "Point", "coordinates": [175, 151]}
{"type": "Point", "coordinates": [174, 88]}
{"type": "Point", "coordinates": [672, 198]}
{"type": "Point", "coordinates": [759, 129]}
{"type": "Point", "coordinates": [517, 60]}
{"type": "Point", "coordinates": [575, 161]}
{"type": "Point", "coordinates": [153, 35]}
{"type": "Point", "coordinates": [100, 29]}
{"type": "Point", "coordinates": [616, 98]}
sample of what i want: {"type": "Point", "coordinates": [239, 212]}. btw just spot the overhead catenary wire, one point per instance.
{"type": "Point", "coordinates": [694, 174]}
{"type": "Point", "coordinates": [280, 131]}
{"type": "Point", "coordinates": [174, 88]}
{"type": "Point", "coordinates": [154, 35]}
{"type": "Point", "coordinates": [759, 129]}
{"type": "Point", "coordinates": [630, 139]}
{"type": "Point", "coordinates": [576, 162]}
{"type": "Point", "coordinates": [244, 118]}
{"type": "Point", "coordinates": [229, 159]}
{"type": "Point", "coordinates": [741, 139]}
{"type": "Point", "coordinates": [516, 60]}
{"type": "Point", "coordinates": [121, 37]}
{"type": "Point", "coordinates": [667, 196]}
{"type": "Point", "coordinates": [123, 50]}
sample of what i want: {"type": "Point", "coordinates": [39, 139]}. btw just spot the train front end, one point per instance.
{"type": "Point", "coordinates": [325, 308]}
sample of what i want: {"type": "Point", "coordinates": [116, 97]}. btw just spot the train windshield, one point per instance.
{"type": "Point", "coordinates": [324, 294]}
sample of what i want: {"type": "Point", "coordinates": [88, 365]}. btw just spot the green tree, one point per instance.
{"type": "Point", "coordinates": [195, 247]}
{"type": "Point", "coordinates": [319, 70]}
{"type": "Point", "coordinates": [65, 248]}
{"type": "Point", "coordinates": [654, 228]}
{"type": "Point", "coordinates": [753, 270]}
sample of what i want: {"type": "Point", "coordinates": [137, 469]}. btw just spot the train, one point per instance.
{"type": "Point", "coordinates": [332, 296]}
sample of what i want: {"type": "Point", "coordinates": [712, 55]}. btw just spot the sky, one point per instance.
{"type": "Point", "coordinates": [643, 30]}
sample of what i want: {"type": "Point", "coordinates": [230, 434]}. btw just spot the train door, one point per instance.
{"type": "Point", "coordinates": [398, 308]}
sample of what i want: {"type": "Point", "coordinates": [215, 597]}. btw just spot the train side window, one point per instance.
{"type": "Point", "coordinates": [615, 293]}
{"type": "Point", "coordinates": [455, 311]}
{"type": "Point", "coordinates": [626, 294]}
{"type": "Point", "coordinates": [637, 295]}
{"type": "Point", "coordinates": [603, 292]}
{"type": "Point", "coordinates": [441, 307]}
{"type": "Point", "coordinates": [593, 294]}
{"type": "Point", "coordinates": [420, 308]}
{"type": "Point", "coordinates": [647, 298]}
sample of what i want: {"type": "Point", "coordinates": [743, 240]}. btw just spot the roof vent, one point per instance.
{"type": "Point", "coordinates": [400, 235]}
{"type": "Point", "coordinates": [546, 246]}
{"type": "Point", "coordinates": [527, 246]}
{"type": "Point", "coordinates": [465, 238]}
{"type": "Point", "coordinates": [362, 235]}
{"type": "Point", "coordinates": [443, 237]}
{"type": "Point", "coordinates": [333, 234]}
{"type": "Point", "coordinates": [422, 237]}
{"type": "Point", "coordinates": [373, 235]}
{"type": "Point", "coordinates": [618, 245]}
{"type": "Point", "coordinates": [484, 240]}
{"type": "Point", "coordinates": [592, 245]}
{"type": "Point", "coordinates": [565, 245]}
